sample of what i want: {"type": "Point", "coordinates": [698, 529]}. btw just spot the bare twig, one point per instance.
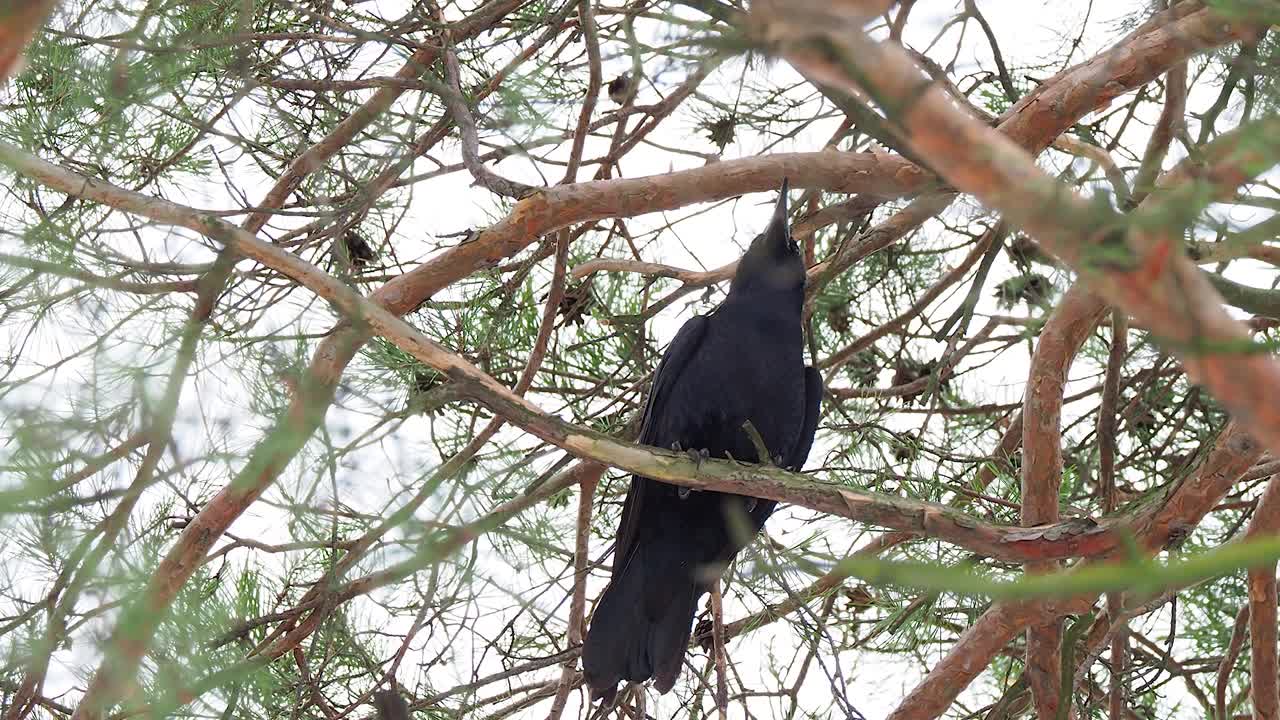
{"type": "Point", "coordinates": [466, 124]}
{"type": "Point", "coordinates": [952, 277]}
{"type": "Point", "coordinates": [1175, 102]}
{"type": "Point", "coordinates": [569, 677]}
{"type": "Point", "coordinates": [1228, 662]}
{"type": "Point", "coordinates": [587, 22]}
{"type": "Point", "coordinates": [315, 156]}
{"type": "Point", "coordinates": [717, 638]}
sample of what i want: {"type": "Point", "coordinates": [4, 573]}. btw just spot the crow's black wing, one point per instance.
{"type": "Point", "coordinates": [673, 363]}
{"type": "Point", "coordinates": [812, 402]}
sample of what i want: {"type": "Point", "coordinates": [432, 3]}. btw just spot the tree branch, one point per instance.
{"type": "Point", "coordinates": [1065, 332]}
{"type": "Point", "coordinates": [1263, 668]}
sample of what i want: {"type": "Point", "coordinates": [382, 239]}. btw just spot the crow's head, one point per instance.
{"type": "Point", "coordinates": [773, 262]}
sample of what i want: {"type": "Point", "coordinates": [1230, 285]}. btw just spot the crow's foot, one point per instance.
{"type": "Point", "coordinates": [697, 456]}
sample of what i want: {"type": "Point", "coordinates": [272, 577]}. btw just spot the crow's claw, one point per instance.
{"type": "Point", "coordinates": [751, 504]}
{"type": "Point", "coordinates": [676, 446]}
{"type": "Point", "coordinates": [777, 460]}
{"type": "Point", "coordinates": [697, 456]}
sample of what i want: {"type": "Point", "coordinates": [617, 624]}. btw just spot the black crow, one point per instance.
{"type": "Point", "coordinates": [743, 362]}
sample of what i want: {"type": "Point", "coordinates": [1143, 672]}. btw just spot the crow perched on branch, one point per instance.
{"type": "Point", "coordinates": [743, 362]}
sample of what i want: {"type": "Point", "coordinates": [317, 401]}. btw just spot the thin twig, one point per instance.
{"type": "Point", "coordinates": [587, 23]}
{"type": "Point", "coordinates": [466, 123]}
{"type": "Point", "coordinates": [569, 677]}
{"type": "Point", "coordinates": [1228, 662]}
{"type": "Point", "coordinates": [717, 636]}
{"type": "Point", "coordinates": [757, 440]}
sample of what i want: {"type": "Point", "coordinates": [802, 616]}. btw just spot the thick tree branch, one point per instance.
{"type": "Point", "coordinates": [1064, 334]}
{"type": "Point", "coordinates": [1117, 694]}
{"type": "Point", "coordinates": [1263, 668]}
{"type": "Point", "coordinates": [19, 22]}
{"type": "Point", "coordinates": [1175, 103]}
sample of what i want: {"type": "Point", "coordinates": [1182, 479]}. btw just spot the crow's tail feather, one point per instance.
{"type": "Point", "coordinates": [642, 624]}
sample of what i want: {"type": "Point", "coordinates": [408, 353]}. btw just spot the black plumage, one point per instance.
{"type": "Point", "coordinates": [744, 361]}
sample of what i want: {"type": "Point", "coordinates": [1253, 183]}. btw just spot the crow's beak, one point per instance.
{"type": "Point", "coordinates": [780, 210]}
{"type": "Point", "coordinates": [778, 234]}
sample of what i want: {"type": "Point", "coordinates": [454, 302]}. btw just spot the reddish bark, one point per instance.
{"type": "Point", "coordinates": [1063, 335]}
{"type": "Point", "coordinates": [1263, 668]}
{"type": "Point", "coordinates": [19, 22]}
